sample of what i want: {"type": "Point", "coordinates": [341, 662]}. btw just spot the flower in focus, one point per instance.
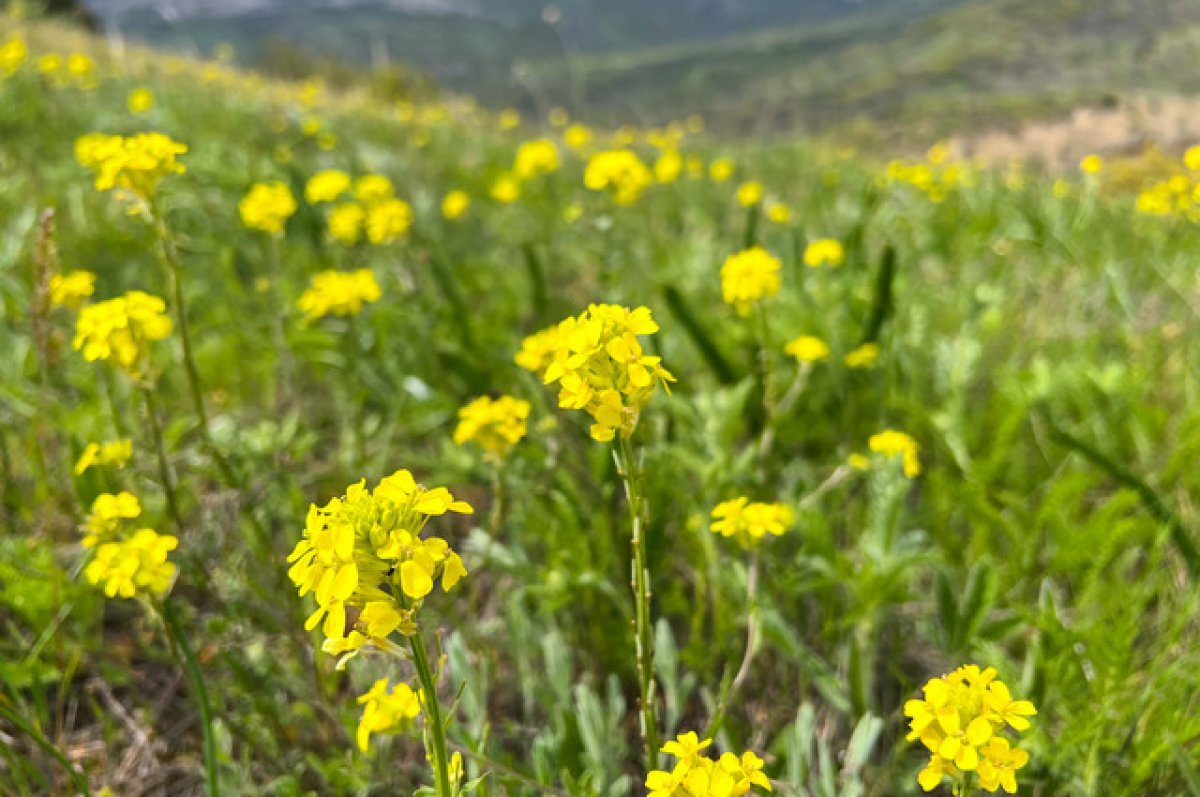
{"type": "Point", "coordinates": [863, 356]}
{"type": "Point", "coordinates": [749, 522]}
{"type": "Point", "coordinates": [340, 293]}
{"type": "Point", "coordinates": [535, 158]}
{"type": "Point", "coordinates": [326, 186]}
{"type": "Point", "coordinates": [386, 710]}
{"type": "Point", "coordinates": [601, 368]}
{"type": "Point", "coordinates": [538, 350]}
{"type": "Point", "coordinates": [720, 170]}
{"type": "Point", "coordinates": [749, 193]}
{"type": "Point", "coordinates": [495, 425]}
{"type": "Point", "coordinates": [134, 566]}
{"type": "Point", "coordinates": [267, 207]}
{"type": "Point", "coordinates": [808, 349]}
{"type": "Point", "coordinates": [108, 510]}
{"type": "Point", "coordinates": [620, 172]}
{"type": "Point", "coordinates": [140, 100]}
{"type": "Point", "coordinates": [506, 189]}
{"type": "Point", "coordinates": [387, 220]}
{"type": "Point", "coordinates": [960, 721]}
{"type": "Point", "coordinates": [455, 204]}
{"type": "Point", "coordinates": [697, 775]}
{"type": "Point", "coordinates": [824, 252]}
{"type": "Point", "coordinates": [72, 289]}
{"type": "Point", "coordinates": [891, 443]}
{"type": "Point", "coordinates": [116, 452]}
{"type": "Point", "coordinates": [748, 276]}
{"type": "Point", "coordinates": [134, 164]}
{"type": "Point", "coordinates": [122, 329]}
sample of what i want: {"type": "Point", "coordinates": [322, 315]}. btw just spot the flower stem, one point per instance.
{"type": "Point", "coordinates": [633, 477]}
{"type": "Point", "coordinates": [434, 724]}
{"type": "Point", "coordinates": [164, 469]}
{"type": "Point", "coordinates": [191, 668]}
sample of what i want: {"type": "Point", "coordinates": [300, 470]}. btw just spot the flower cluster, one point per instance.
{"type": "Point", "coordinates": [620, 172]}
{"type": "Point", "coordinates": [267, 207]}
{"type": "Point", "coordinates": [824, 252]}
{"type": "Point", "coordinates": [748, 522]}
{"type": "Point", "coordinates": [600, 367]}
{"type": "Point", "coordinates": [134, 164]}
{"type": "Point", "coordinates": [862, 356]}
{"type": "Point", "coordinates": [807, 349]}
{"type": "Point", "coordinates": [935, 177]}
{"type": "Point", "coordinates": [1176, 196]}
{"type": "Point", "coordinates": [697, 775]}
{"type": "Point", "coordinates": [71, 289]}
{"type": "Point", "coordinates": [364, 551]}
{"type": "Point", "coordinates": [455, 204]}
{"type": "Point", "coordinates": [13, 53]}
{"type": "Point", "coordinates": [116, 452]}
{"type": "Point", "coordinates": [340, 293]}
{"type": "Point", "coordinates": [108, 512]}
{"type": "Point", "coordinates": [534, 158]}
{"type": "Point", "coordinates": [386, 710]}
{"type": "Point", "coordinates": [495, 425]}
{"type": "Point", "coordinates": [374, 211]}
{"type": "Point", "coordinates": [122, 329]}
{"type": "Point", "coordinates": [537, 350]}
{"type": "Point", "coordinates": [890, 443]}
{"type": "Point", "coordinates": [748, 276]}
{"type": "Point", "coordinates": [961, 721]}
{"type": "Point", "coordinates": [137, 565]}
{"type": "Point", "coordinates": [326, 186]}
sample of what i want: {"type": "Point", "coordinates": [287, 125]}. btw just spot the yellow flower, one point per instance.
{"type": "Point", "coordinates": [13, 53]}
{"type": "Point", "coordinates": [373, 188]}
{"type": "Point", "coordinates": [71, 289]}
{"type": "Point", "coordinates": [267, 207]}
{"type": "Point", "coordinates": [340, 293]}
{"type": "Point", "coordinates": [506, 189]}
{"type": "Point", "coordinates": [136, 566]}
{"type": "Point", "coordinates": [720, 170]}
{"type": "Point", "coordinates": [134, 164]}
{"type": "Point", "coordinates": [346, 222]}
{"type": "Point", "coordinates": [538, 350]}
{"type": "Point", "coordinates": [455, 204]}
{"type": "Point", "coordinates": [1091, 164]}
{"type": "Point", "coordinates": [122, 329]}
{"type": "Point", "coordinates": [387, 220]}
{"type": "Point", "coordinates": [572, 212]}
{"type": "Point", "coordinates": [863, 356]}
{"type": "Point", "coordinates": [749, 194]}
{"type": "Point", "coordinates": [601, 368]}
{"type": "Point", "coordinates": [577, 136]}
{"type": "Point", "coordinates": [140, 100]}
{"type": "Point", "coordinates": [891, 443]}
{"type": "Point", "coordinates": [535, 158]}
{"type": "Point", "coordinates": [49, 64]}
{"type": "Point", "coordinates": [808, 349]}
{"type": "Point", "coordinates": [1191, 158]}
{"type": "Point", "coordinates": [824, 252]}
{"type": "Point", "coordinates": [778, 213]}
{"type": "Point", "coordinates": [326, 186]}
{"type": "Point", "coordinates": [749, 522]}
{"type": "Point", "coordinates": [687, 747]}
{"type": "Point", "coordinates": [108, 510]}
{"type": "Point", "coordinates": [958, 723]}
{"type": "Point", "coordinates": [386, 710]}
{"type": "Point", "coordinates": [116, 452]}
{"type": "Point", "coordinates": [668, 166]}
{"type": "Point", "coordinates": [618, 171]}
{"type": "Point", "coordinates": [748, 276]}
{"type": "Point", "coordinates": [697, 775]}
{"type": "Point", "coordinates": [365, 548]}
{"type": "Point", "coordinates": [495, 425]}
{"type": "Point", "coordinates": [509, 119]}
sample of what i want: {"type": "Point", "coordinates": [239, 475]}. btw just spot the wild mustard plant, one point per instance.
{"type": "Point", "coordinates": [748, 277]}
{"type": "Point", "coordinates": [363, 559]}
{"type": "Point", "coordinates": [339, 293]}
{"type": "Point", "coordinates": [962, 720]}
{"type": "Point", "coordinates": [619, 172]}
{"type": "Point", "coordinates": [71, 290]}
{"type": "Point", "coordinates": [695, 774]}
{"type": "Point", "coordinates": [889, 443]}
{"type": "Point", "coordinates": [495, 425]}
{"type": "Point", "coordinates": [113, 452]}
{"type": "Point", "coordinates": [863, 356]}
{"type": "Point", "coordinates": [326, 186]}
{"type": "Point", "coordinates": [824, 252]}
{"type": "Point", "coordinates": [748, 522]}
{"type": "Point", "coordinates": [267, 207]}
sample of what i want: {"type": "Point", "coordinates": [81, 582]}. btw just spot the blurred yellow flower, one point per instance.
{"type": "Point", "coordinates": [13, 53]}
{"type": "Point", "coordinates": [749, 194]}
{"type": "Point", "coordinates": [538, 350]}
{"type": "Point", "coordinates": [346, 221]}
{"type": "Point", "coordinates": [577, 136]}
{"type": "Point", "coordinates": [71, 289]}
{"type": "Point", "coordinates": [339, 293]}
{"type": "Point", "coordinates": [891, 443]}
{"type": "Point", "coordinates": [824, 252]}
{"type": "Point", "coordinates": [720, 170]}
{"type": "Point", "coordinates": [388, 220]}
{"type": "Point", "coordinates": [385, 711]}
{"type": "Point", "coordinates": [749, 522]}
{"type": "Point", "coordinates": [863, 356]}
{"type": "Point", "coordinates": [808, 349]}
{"type": "Point", "coordinates": [748, 276]}
{"type": "Point", "coordinates": [134, 566]}
{"type": "Point", "coordinates": [267, 207]}
{"type": "Point", "coordinates": [509, 119]}
{"type": "Point", "coordinates": [534, 158]}
{"type": "Point", "coordinates": [505, 189]}
{"type": "Point", "coordinates": [620, 172]}
{"type": "Point", "coordinates": [668, 166]}
{"type": "Point", "coordinates": [495, 425]}
{"type": "Point", "coordinates": [373, 188]}
{"type": "Point", "coordinates": [133, 164]}
{"type": "Point", "coordinates": [1191, 158]}
{"type": "Point", "coordinates": [1091, 164]}
{"type": "Point", "coordinates": [140, 100]}
{"type": "Point", "coordinates": [122, 329]}
{"type": "Point", "coordinates": [326, 186]}
{"type": "Point", "coordinates": [116, 452]}
{"type": "Point", "coordinates": [778, 213]}
{"type": "Point", "coordinates": [455, 204]}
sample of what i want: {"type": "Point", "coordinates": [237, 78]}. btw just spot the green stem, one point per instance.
{"type": "Point", "coordinates": [187, 658]}
{"type": "Point", "coordinates": [164, 468]}
{"type": "Point", "coordinates": [77, 777]}
{"type": "Point", "coordinates": [434, 723]}
{"type": "Point", "coordinates": [752, 623]}
{"type": "Point", "coordinates": [640, 582]}
{"type": "Point", "coordinates": [284, 377]}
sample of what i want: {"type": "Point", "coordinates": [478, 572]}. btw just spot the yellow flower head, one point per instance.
{"type": "Point", "coordinates": [116, 452]}
{"type": "Point", "coordinates": [108, 512]}
{"type": "Point", "coordinates": [134, 164]}
{"type": "Point", "coordinates": [1191, 158]}
{"type": "Point", "coordinates": [891, 443]}
{"type": "Point", "coordinates": [508, 119]}
{"type": "Point", "coordinates": [340, 293]}
{"type": "Point", "coordinates": [749, 522]}
{"type": "Point", "coordinates": [824, 252]}
{"type": "Point", "coordinates": [365, 551]}
{"type": "Point", "coordinates": [619, 172]}
{"type": "Point", "coordinates": [577, 136]}
{"type": "Point", "coordinates": [140, 100]}
{"type": "Point", "coordinates": [720, 170]}
{"type": "Point", "coordinates": [697, 775]}
{"type": "Point", "coordinates": [134, 566]}
{"type": "Point", "coordinates": [808, 349]}
{"type": "Point", "coordinates": [13, 53]}
{"type": "Point", "coordinates": [373, 188]}
{"type": "Point", "coordinates": [455, 204]}
{"type": "Point", "coordinates": [495, 425]}
{"type": "Point", "coordinates": [387, 220]}
{"type": "Point", "coordinates": [346, 222]}
{"type": "Point", "coordinates": [267, 207]}
{"type": "Point", "coordinates": [778, 213]}
{"type": "Point", "coordinates": [1091, 164]}
{"type": "Point", "coordinates": [122, 329]}
{"type": "Point", "coordinates": [748, 276]}
{"type": "Point", "coordinates": [537, 350]}
{"type": "Point", "coordinates": [534, 158]}
{"type": "Point", "coordinates": [863, 356]}
{"type": "Point", "coordinates": [668, 166]}
{"type": "Point", "coordinates": [960, 721]}
{"type": "Point", "coordinates": [326, 186]}
{"type": "Point", "coordinates": [749, 193]}
{"type": "Point", "coordinates": [506, 189]}
{"type": "Point", "coordinates": [71, 289]}
{"type": "Point", "coordinates": [386, 710]}
{"type": "Point", "coordinates": [601, 368]}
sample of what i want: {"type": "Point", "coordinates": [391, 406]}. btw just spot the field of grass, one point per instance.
{"type": "Point", "coordinates": [1030, 346]}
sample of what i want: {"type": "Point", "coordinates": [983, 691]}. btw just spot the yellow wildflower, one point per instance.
{"type": "Point", "coordinates": [720, 170]}
{"type": "Point", "coordinates": [140, 100]}
{"type": "Point", "coordinates": [116, 452]}
{"type": "Point", "coordinates": [697, 775]}
{"type": "Point", "coordinates": [778, 213]}
{"type": "Point", "coordinates": [1191, 158]}
{"type": "Point", "coordinates": [71, 289]}
{"type": "Point", "coordinates": [455, 204]}
{"type": "Point", "coordinates": [326, 186]}
{"type": "Point", "coordinates": [535, 158]}
{"type": "Point", "coordinates": [808, 349]}
{"type": "Point", "coordinates": [863, 356]}
{"type": "Point", "coordinates": [346, 222]}
{"type": "Point", "coordinates": [373, 188]}
{"type": "Point", "coordinates": [824, 252]}
{"type": "Point", "coordinates": [748, 276]}
{"type": "Point", "coordinates": [108, 511]}
{"type": "Point", "coordinates": [506, 189]}
{"type": "Point", "coordinates": [749, 522]}
{"type": "Point", "coordinates": [1091, 164]}
{"type": "Point", "coordinates": [495, 425]}
{"type": "Point", "coordinates": [267, 207]}
{"type": "Point", "coordinates": [135, 164]}
{"type": "Point", "coordinates": [387, 220]}
{"type": "Point", "coordinates": [538, 350]}
{"type": "Point", "coordinates": [577, 136]}
{"type": "Point", "coordinates": [620, 172]}
{"type": "Point", "coordinates": [13, 53]}
{"type": "Point", "coordinates": [386, 710]}
{"type": "Point", "coordinates": [891, 443]}
{"type": "Point", "coordinates": [340, 293]}
{"type": "Point", "coordinates": [122, 329]}
{"type": "Point", "coordinates": [749, 193]}
{"type": "Point", "coordinates": [668, 166]}
{"type": "Point", "coordinates": [136, 566]}
{"type": "Point", "coordinates": [509, 119]}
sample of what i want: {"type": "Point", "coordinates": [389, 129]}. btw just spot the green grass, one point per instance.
{"type": "Point", "coordinates": [1041, 350]}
